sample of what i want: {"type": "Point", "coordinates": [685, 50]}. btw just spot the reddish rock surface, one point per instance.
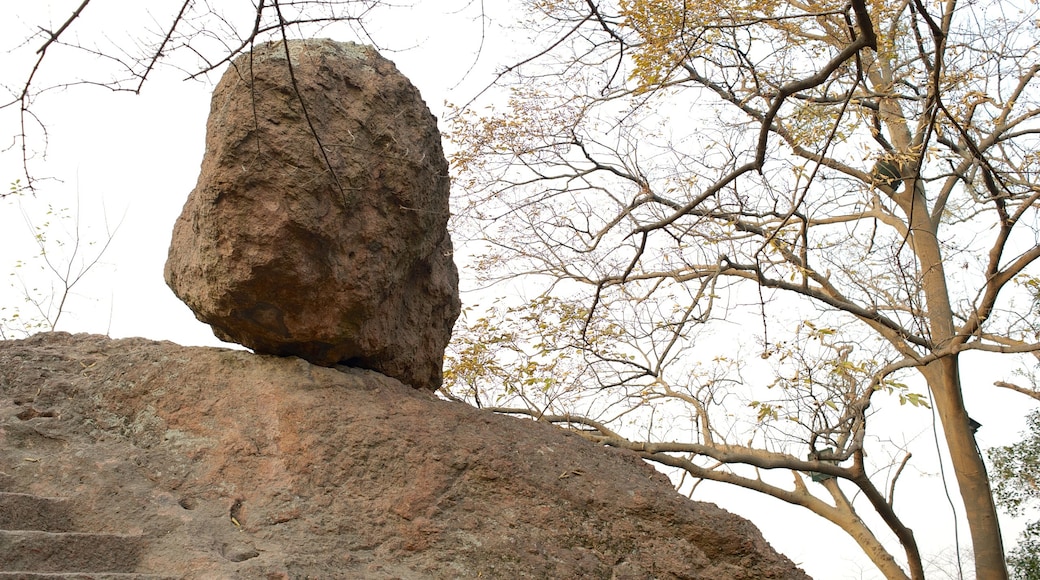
{"type": "Point", "coordinates": [214, 463]}
{"type": "Point", "coordinates": [318, 226]}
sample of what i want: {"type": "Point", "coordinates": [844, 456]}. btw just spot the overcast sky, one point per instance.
{"type": "Point", "coordinates": [132, 160]}
{"type": "Point", "coordinates": [135, 158]}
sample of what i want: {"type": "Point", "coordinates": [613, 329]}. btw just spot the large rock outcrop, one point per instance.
{"type": "Point", "coordinates": [213, 463]}
{"type": "Point", "coordinates": [318, 224]}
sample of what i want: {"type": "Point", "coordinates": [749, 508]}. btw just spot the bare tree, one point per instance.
{"type": "Point", "coordinates": [196, 37]}
{"type": "Point", "coordinates": [65, 255]}
{"type": "Point", "coordinates": [860, 178]}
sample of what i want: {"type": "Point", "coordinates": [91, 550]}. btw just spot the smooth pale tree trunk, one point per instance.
{"type": "Point", "coordinates": [972, 479]}
{"type": "Point", "coordinates": [943, 379]}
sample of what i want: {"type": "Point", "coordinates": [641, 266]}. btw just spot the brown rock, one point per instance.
{"type": "Point", "coordinates": [228, 464]}
{"type": "Point", "coordinates": [318, 224]}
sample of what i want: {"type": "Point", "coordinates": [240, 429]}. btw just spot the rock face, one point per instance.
{"type": "Point", "coordinates": [214, 463]}
{"type": "Point", "coordinates": [318, 224]}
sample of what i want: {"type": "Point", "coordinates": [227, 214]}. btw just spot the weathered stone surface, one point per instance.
{"type": "Point", "coordinates": [229, 464]}
{"type": "Point", "coordinates": [317, 227]}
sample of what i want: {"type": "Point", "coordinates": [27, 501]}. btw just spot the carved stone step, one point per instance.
{"type": "Point", "coordinates": [36, 551]}
{"type": "Point", "coordinates": [82, 576]}
{"type": "Point", "coordinates": [20, 511]}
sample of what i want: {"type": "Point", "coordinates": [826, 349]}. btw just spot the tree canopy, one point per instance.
{"type": "Point", "coordinates": [848, 187]}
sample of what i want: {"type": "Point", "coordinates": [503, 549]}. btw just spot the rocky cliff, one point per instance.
{"type": "Point", "coordinates": [134, 456]}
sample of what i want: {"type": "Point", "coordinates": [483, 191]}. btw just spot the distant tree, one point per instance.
{"type": "Point", "coordinates": [850, 187]}
{"type": "Point", "coordinates": [1016, 472]}
{"type": "Point", "coordinates": [1025, 558]}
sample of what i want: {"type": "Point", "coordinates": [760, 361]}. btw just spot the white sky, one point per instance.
{"type": "Point", "coordinates": [139, 156]}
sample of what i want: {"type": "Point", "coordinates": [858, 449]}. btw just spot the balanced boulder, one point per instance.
{"type": "Point", "coordinates": [318, 226]}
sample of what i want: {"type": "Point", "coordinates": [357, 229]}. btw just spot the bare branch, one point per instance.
{"type": "Point", "coordinates": [1032, 393]}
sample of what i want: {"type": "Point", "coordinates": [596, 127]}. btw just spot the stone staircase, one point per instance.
{"type": "Point", "coordinates": [39, 540]}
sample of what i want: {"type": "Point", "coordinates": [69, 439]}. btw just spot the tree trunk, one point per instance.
{"type": "Point", "coordinates": [943, 379]}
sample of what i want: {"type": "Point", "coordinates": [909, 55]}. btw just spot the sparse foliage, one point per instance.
{"type": "Point", "coordinates": [45, 281]}
{"type": "Point", "coordinates": [786, 210]}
